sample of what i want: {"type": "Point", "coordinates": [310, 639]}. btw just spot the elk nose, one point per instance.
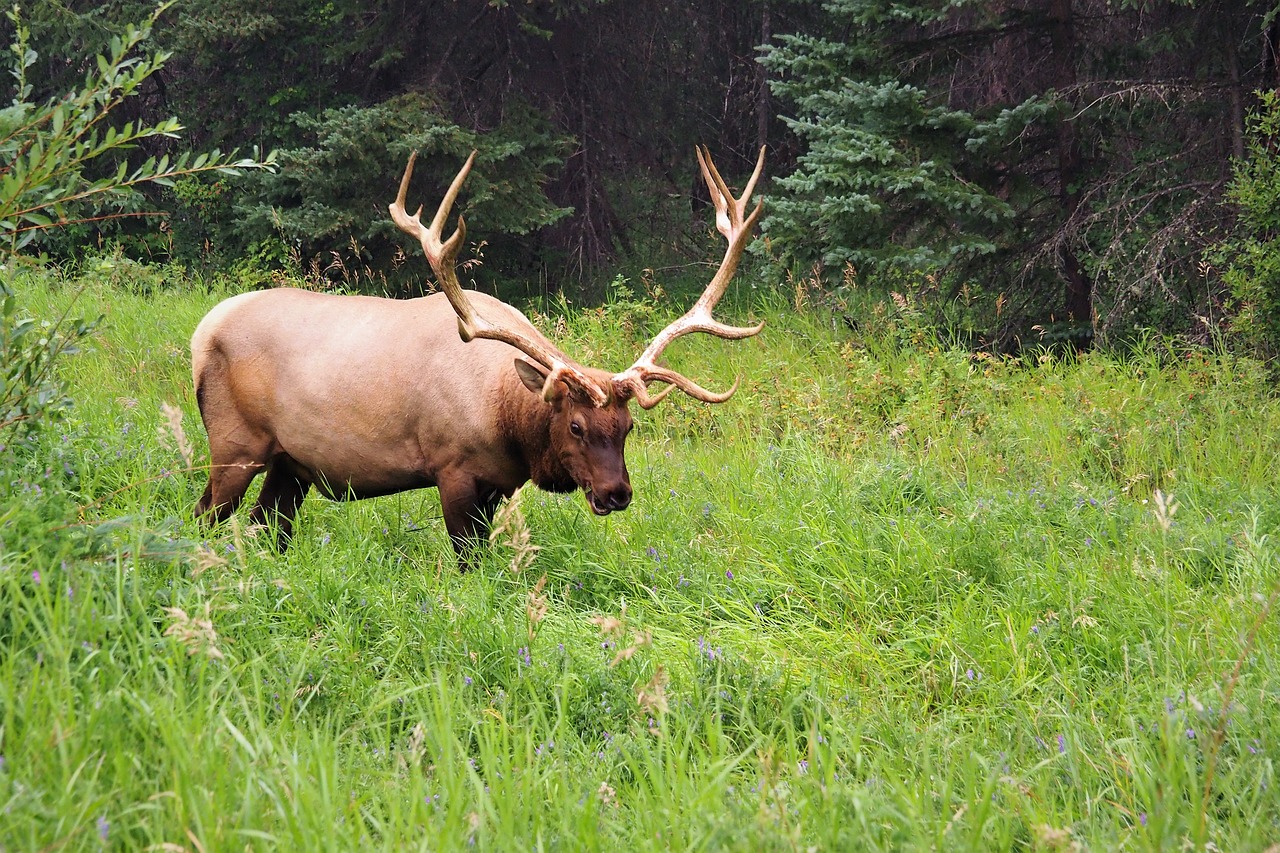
{"type": "Point", "coordinates": [620, 498]}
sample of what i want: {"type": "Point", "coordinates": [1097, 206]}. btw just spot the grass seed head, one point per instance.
{"type": "Point", "coordinates": [1166, 508]}
{"type": "Point", "coordinates": [510, 527]}
{"type": "Point", "coordinates": [1052, 838]}
{"type": "Point", "coordinates": [639, 639]}
{"type": "Point", "coordinates": [652, 697]}
{"type": "Point", "coordinates": [608, 796]}
{"type": "Point", "coordinates": [205, 558]}
{"type": "Point", "coordinates": [173, 436]}
{"type": "Point", "coordinates": [194, 632]}
{"type": "Point", "coordinates": [609, 625]}
{"type": "Point", "coordinates": [536, 608]}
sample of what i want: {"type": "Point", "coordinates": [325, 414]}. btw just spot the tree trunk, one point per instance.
{"type": "Point", "coordinates": [764, 111]}
{"type": "Point", "coordinates": [1062, 45]}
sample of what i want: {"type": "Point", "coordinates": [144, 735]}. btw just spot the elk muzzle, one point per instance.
{"type": "Point", "coordinates": [616, 496]}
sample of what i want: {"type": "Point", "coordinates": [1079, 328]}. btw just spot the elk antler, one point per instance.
{"type": "Point", "coordinates": [730, 222]}
{"type": "Point", "coordinates": [443, 255]}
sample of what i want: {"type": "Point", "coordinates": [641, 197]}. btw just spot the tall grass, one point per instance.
{"type": "Point", "coordinates": [893, 595]}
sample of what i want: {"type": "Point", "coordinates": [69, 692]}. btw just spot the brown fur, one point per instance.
{"type": "Point", "coordinates": [361, 396]}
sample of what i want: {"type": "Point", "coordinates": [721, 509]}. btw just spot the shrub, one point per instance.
{"type": "Point", "coordinates": [1250, 258]}
{"type": "Point", "coordinates": [53, 156]}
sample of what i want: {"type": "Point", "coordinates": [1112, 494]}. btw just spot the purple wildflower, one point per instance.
{"type": "Point", "coordinates": [104, 828]}
{"type": "Point", "coordinates": [968, 673]}
{"type": "Point", "coordinates": [1142, 818]}
{"type": "Point", "coordinates": [466, 680]}
{"type": "Point", "coordinates": [35, 576]}
{"type": "Point", "coordinates": [1191, 734]}
{"type": "Point", "coordinates": [1062, 743]}
{"type": "Point", "coordinates": [728, 573]}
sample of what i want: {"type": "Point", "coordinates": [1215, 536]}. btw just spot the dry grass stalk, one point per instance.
{"type": "Point", "coordinates": [639, 639]}
{"type": "Point", "coordinates": [173, 436]}
{"type": "Point", "coordinates": [1166, 508]}
{"type": "Point", "coordinates": [536, 608]}
{"type": "Point", "coordinates": [206, 558]}
{"type": "Point", "coordinates": [653, 696]}
{"type": "Point", "coordinates": [610, 626]}
{"type": "Point", "coordinates": [615, 629]}
{"type": "Point", "coordinates": [509, 522]}
{"type": "Point", "coordinates": [608, 796]}
{"type": "Point", "coordinates": [194, 632]}
{"type": "Point", "coordinates": [1053, 838]}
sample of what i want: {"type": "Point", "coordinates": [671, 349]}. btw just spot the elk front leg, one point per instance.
{"type": "Point", "coordinates": [468, 508]}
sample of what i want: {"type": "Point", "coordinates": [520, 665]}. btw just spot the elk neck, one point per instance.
{"type": "Point", "coordinates": [525, 421]}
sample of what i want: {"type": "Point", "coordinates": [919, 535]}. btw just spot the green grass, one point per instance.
{"type": "Point", "coordinates": [900, 596]}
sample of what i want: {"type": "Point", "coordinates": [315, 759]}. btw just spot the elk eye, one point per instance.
{"type": "Point", "coordinates": [575, 428]}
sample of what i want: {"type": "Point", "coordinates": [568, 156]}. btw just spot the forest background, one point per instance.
{"type": "Point", "coordinates": [1038, 171]}
{"type": "Point", "coordinates": [982, 555]}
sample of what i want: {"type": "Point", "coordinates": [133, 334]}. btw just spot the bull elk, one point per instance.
{"type": "Point", "coordinates": [363, 396]}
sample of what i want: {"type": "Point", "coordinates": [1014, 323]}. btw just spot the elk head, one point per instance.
{"type": "Point", "coordinates": [589, 416]}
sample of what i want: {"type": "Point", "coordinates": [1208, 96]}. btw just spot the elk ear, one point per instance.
{"type": "Point", "coordinates": [552, 385]}
{"type": "Point", "coordinates": [533, 376]}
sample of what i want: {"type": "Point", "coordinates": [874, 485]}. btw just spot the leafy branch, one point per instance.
{"type": "Point", "coordinates": [45, 149]}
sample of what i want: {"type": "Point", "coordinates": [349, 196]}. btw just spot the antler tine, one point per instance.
{"type": "Point", "coordinates": [730, 222]}
{"type": "Point", "coordinates": [442, 256]}
{"type": "Point", "coordinates": [729, 210]}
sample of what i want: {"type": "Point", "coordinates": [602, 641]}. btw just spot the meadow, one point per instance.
{"type": "Point", "coordinates": [895, 594]}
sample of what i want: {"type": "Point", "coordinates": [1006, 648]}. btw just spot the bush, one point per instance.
{"type": "Point", "coordinates": [1250, 258]}
{"type": "Point", "coordinates": [53, 169]}
{"type": "Point", "coordinates": [30, 394]}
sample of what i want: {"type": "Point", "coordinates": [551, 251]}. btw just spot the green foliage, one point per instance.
{"type": "Point", "coordinates": [1250, 257]}
{"type": "Point", "coordinates": [890, 178]}
{"type": "Point", "coordinates": [53, 172]}
{"type": "Point", "coordinates": [337, 189]}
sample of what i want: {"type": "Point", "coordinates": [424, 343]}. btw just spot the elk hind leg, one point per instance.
{"type": "Point", "coordinates": [232, 467]}
{"type": "Point", "coordinates": [237, 451]}
{"type": "Point", "coordinates": [228, 481]}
